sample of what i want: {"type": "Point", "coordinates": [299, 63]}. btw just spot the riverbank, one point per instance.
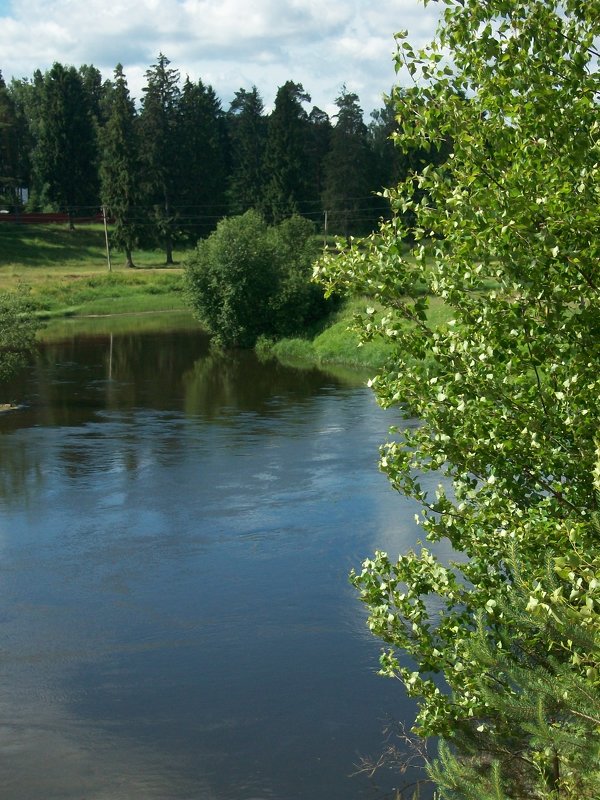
{"type": "Point", "coordinates": [66, 276]}
{"type": "Point", "coordinates": [338, 343]}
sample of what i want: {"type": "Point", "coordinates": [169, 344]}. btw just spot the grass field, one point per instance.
{"type": "Point", "coordinates": [66, 272]}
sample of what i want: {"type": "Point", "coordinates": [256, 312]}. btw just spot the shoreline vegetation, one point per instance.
{"type": "Point", "coordinates": [66, 277]}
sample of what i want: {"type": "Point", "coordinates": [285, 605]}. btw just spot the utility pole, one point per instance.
{"type": "Point", "coordinates": [106, 239]}
{"type": "Point", "coordinates": [325, 213]}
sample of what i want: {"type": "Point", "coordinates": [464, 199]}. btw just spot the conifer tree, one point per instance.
{"type": "Point", "coordinates": [247, 126]}
{"type": "Point", "coordinates": [347, 167]}
{"type": "Point", "coordinates": [120, 165]}
{"type": "Point", "coordinates": [66, 155]}
{"type": "Point", "coordinates": [318, 145]}
{"type": "Point", "coordinates": [9, 163]}
{"type": "Point", "coordinates": [286, 160]}
{"type": "Point", "coordinates": [26, 97]}
{"type": "Point", "coordinates": [201, 159]}
{"type": "Point", "coordinates": [536, 735]}
{"type": "Point", "coordinates": [159, 121]}
{"type": "Point", "coordinates": [95, 89]}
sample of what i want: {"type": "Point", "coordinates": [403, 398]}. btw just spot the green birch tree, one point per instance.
{"type": "Point", "coordinates": [505, 235]}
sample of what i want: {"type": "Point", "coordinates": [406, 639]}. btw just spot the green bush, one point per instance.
{"type": "Point", "coordinates": [248, 279]}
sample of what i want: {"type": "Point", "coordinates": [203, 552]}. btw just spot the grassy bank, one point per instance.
{"type": "Point", "coordinates": [66, 272]}
{"type": "Point", "coordinates": [338, 342]}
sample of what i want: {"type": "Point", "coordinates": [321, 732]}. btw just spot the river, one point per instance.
{"type": "Point", "coordinates": [176, 531]}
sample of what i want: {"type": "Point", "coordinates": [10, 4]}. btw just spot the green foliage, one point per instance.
{"type": "Point", "coordinates": [297, 302]}
{"type": "Point", "coordinates": [247, 131]}
{"type": "Point", "coordinates": [17, 332]}
{"type": "Point", "coordinates": [120, 165]}
{"type": "Point", "coordinates": [508, 389]}
{"type": "Point", "coordinates": [286, 154]}
{"type": "Point", "coordinates": [66, 153]}
{"type": "Point", "coordinates": [347, 169]}
{"type": "Point", "coordinates": [248, 279]}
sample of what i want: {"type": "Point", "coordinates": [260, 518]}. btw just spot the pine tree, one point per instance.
{"type": "Point", "coordinates": [120, 165]}
{"type": "Point", "coordinates": [159, 122]}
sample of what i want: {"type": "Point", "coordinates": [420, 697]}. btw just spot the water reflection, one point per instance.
{"type": "Point", "coordinates": [177, 528]}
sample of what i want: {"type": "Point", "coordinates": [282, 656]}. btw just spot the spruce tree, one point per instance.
{"type": "Point", "coordinates": [347, 167]}
{"type": "Point", "coordinates": [319, 143]}
{"type": "Point", "coordinates": [247, 126]}
{"type": "Point", "coordinates": [286, 157]}
{"type": "Point", "coordinates": [9, 162]}
{"type": "Point", "coordinates": [66, 155]}
{"type": "Point", "coordinates": [95, 89]}
{"type": "Point", "coordinates": [201, 161]}
{"type": "Point", "coordinates": [159, 121]}
{"type": "Point", "coordinates": [120, 165]}
{"type": "Point", "coordinates": [26, 97]}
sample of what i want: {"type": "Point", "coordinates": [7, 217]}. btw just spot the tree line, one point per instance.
{"type": "Point", "coordinates": [178, 163]}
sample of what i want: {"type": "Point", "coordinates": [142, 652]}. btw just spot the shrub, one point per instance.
{"type": "Point", "coordinates": [248, 279]}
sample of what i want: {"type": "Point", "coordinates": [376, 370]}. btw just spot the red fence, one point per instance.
{"type": "Point", "coordinates": [39, 218]}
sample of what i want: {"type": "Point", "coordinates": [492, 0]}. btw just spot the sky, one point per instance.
{"type": "Point", "coordinates": [229, 44]}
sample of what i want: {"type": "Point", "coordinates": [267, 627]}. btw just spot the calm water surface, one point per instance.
{"type": "Point", "coordinates": [176, 530]}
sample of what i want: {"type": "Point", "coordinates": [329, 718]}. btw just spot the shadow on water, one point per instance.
{"type": "Point", "coordinates": [176, 531]}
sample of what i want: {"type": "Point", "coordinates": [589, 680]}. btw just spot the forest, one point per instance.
{"type": "Point", "coordinates": [174, 164]}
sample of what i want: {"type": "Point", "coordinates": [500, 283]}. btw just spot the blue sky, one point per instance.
{"type": "Point", "coordinates": [227, 43]}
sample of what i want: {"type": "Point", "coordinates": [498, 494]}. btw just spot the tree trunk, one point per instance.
{"type": "Point", "coordinates": [169, 249]}
{"type": "Point", "coordinates": [128, 258]}
{"type": "Point", "coordinates": [168, 237]}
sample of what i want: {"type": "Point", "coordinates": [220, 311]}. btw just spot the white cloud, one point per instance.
{"type": "Point", "coordinates": [227, 43]}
